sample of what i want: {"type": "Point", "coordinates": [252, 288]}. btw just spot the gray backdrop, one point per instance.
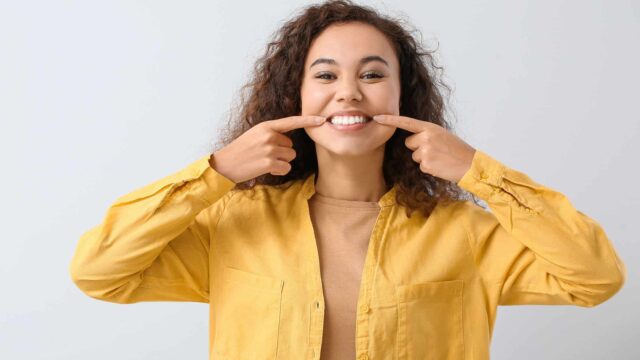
{"type": "Point", "coordinates": [98, 98]}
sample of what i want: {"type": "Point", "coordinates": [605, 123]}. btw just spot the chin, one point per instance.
{"type": "Point", "coordinates": [349, 149]}
{"type": "Point", "coordinates": [346, 152]}
{"type": "Point", "coordinates": [337, 145]}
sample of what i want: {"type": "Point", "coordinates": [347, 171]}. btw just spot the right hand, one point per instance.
{"type": "Point", "coordinates": [261, 149]}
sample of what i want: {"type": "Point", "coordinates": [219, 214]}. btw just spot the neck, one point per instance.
{"type": "Point", "coordinates": [357, 178]}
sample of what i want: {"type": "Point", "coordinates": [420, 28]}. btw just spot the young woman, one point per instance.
{"type": "Point", "coordinates": [358, 236]}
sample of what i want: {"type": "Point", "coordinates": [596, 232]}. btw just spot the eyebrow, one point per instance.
{"type": "Point", "coordinates": [363, 61]}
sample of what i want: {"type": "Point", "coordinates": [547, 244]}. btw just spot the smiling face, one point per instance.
{"type": "Point", "coordinates": [350, 66]}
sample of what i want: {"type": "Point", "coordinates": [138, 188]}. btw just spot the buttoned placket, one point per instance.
{"type": "Point", "coordinates": [317, 307]}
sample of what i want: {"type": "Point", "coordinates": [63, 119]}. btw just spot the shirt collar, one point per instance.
{"type": "Point", "coordinates": [308, 189]}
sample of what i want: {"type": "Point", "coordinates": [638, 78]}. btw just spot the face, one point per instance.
{"type": "Point", "coordinates": [345, 82]}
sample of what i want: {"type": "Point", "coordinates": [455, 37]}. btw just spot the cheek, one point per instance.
{"type": "Point", "coordinates": [387, 99]}
{"type": "Point", "coordinates": [312, 99]}
{"type": "Point", "coordinates": [383, 133]}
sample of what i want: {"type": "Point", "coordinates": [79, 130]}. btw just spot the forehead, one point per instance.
{"type": "Point", "coordinates": [349, 42]}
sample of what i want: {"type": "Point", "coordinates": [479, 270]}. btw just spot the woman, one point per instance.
{"type": "Point", "coordinates": [357, 236]}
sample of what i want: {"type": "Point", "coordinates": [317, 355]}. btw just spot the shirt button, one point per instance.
{"type": "Point", "coordinates": [364, 357]}
{"type": "Point", "coordinates": [484, 176]}
{"type": "Point", "coordinates": [364, 308]}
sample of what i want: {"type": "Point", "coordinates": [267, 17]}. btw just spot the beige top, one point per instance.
{"type": "Point", "coordinates": [342, 229]}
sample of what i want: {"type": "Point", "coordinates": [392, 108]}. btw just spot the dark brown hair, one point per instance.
{"type": "Point", "coordinates": [274, 92]}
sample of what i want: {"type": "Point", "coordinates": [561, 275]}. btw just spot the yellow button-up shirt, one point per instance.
{"type": "Point", "coordinates": [429, 289]}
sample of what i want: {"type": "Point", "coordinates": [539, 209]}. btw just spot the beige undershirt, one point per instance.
{"type": "Point", "coordinates": [342, 229]}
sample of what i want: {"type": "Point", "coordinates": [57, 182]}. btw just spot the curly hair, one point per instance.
{"type": "Point", "coordinates": [274, 92]}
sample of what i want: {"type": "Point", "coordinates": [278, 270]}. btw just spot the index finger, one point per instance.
{"type": "Point", "coordinates": [403, 122]}
{"type": "Point", "coordinates": [294, 122]}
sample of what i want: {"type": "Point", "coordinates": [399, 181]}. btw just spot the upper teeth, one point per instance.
{"type": "Point", "coordinates": [348, 119]}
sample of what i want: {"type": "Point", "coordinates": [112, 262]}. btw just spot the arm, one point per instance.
{"type": "Point", "coordinates": [153, 243]}
{"type": "Point", "coordinates": [536, 248]}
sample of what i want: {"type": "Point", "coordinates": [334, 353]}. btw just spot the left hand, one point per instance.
{"type": "Point", "coordinates": [438, 151]}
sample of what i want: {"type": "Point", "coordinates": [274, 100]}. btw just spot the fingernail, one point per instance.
{"type": "Point", "coordinates": [320, 119]}
{"type": "Point", "coordinates": [377, 117]}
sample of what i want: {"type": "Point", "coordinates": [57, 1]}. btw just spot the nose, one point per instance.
{"type": "Point", "coordinates": [348, 90]}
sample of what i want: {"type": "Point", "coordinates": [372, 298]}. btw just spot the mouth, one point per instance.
{"type": "Point", "coordinates": [349, 123]}
{"type": "Point", "coordinates": [349, 119]}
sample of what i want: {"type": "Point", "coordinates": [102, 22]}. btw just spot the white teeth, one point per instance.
{"type": "Point", "coordinates": [346, 120]}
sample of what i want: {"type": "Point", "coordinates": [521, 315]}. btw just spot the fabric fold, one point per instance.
{"type": "Point", "coordinates": [534, 246]}
{"type": "Point", "coordinates": [153, 243]}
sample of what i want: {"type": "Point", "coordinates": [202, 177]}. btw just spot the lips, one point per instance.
{"type": "Point", "coordinates": [350, 127]}
{"type": "Point", "coordinates": [350, 113]}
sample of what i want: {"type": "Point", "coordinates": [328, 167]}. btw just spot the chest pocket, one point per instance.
{"type": "Point", "coordinates": [249, 316]}
{"type": "Point", "coordinates": [430, 321]}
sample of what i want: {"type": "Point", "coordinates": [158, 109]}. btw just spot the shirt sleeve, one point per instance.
{"type": "Point", "coordinates": [153, 243]}
{"type": "Point", "coordinates": [534, 247]}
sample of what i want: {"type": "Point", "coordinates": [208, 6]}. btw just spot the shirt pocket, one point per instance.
{"type": "Point", "coordinates": [248, 318]}
{"type": "Point", "coordinates": [430, 321]}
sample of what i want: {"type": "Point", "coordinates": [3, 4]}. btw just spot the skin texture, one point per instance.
{"type": "Point", "coordinates": [350, 164]}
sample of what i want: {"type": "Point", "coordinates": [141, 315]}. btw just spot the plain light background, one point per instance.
{"type": "Point", "coordinates": [98, 98]}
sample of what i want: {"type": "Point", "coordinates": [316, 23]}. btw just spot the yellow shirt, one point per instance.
{"type": "Point", "coordinates": [429, 287]}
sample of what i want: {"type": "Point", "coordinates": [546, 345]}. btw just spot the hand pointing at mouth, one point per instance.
{"type": "Point", "coordinates": [264, 148]}
{"type": "Point", "coordinates": [438, 151]}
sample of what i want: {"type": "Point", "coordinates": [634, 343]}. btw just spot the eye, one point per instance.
{"type": "Point", "coordinates": [322, 76]}
{"type": "Point", "coordinates": [373, 75]}
{"type": "Point", "coordinates": [376, 75]}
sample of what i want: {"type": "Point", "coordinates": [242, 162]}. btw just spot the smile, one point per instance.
{"type": "Point", "coordinates": [348, 123]}
{"type": "Point", "coordinates": [349, 120]}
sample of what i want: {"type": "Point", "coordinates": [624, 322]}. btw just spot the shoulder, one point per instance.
{"type": "Point", "coordinates": [446, 213]}
{"type": "Point", "coordinates": [477, 221]}
{"type": "Point", "coordinates": [266, 194]}
{"type": "Point", "coordinates": [467, 213]}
